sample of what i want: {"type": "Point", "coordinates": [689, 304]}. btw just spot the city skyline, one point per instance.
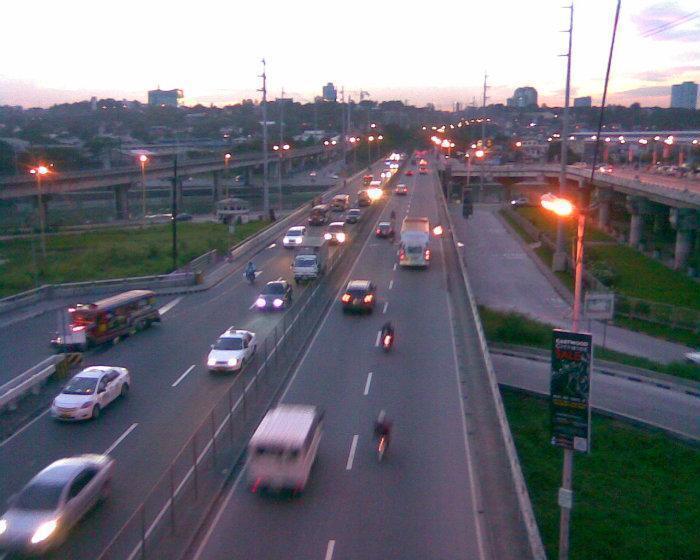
{"type": "Point", "coordinates": [655, 49]}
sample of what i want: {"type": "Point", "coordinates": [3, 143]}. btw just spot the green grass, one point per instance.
{"type": "Point", "coordinates": [636, 496]}
{"type": "Point", "coordinates": [515, 328]}
{"type": "Point", "coordinates": [682, 336]}
{"type": "Point", "coordinates": [114, 253]}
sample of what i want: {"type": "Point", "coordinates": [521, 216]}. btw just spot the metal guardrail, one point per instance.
{"type": "Point", "coordinates": [605, 367]}
{"type": "Point", "coordinates": [29, 381]}
{"type": "Point", "coordinates": [525, 505]}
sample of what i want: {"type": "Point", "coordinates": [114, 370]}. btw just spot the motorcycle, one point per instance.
{"type": "Point", "coordinates": [250, 276]}
{"type": "Point", "coordinates": [381, 448]}
{"type": "Point", "coordinates": [387, 341]}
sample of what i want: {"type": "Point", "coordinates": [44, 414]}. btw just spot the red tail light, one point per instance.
{"type": "Point", "coordinates": [402, 255]}
{"type": "Point", "coordinates": [387, 340]}
{"type": "Point", "coordinates": [255, 486]}
{"type": "Point", "coordinates": [427, 254]}
{"type": "Point", "coordinates": [346, 298]}
{"type": "Point", "coordinates": [368, 298]}
{"type": "Point", "coordinates": [379, 231]}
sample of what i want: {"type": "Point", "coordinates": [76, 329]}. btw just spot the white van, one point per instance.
{"type": "Point", "coordinates": [283, 448]}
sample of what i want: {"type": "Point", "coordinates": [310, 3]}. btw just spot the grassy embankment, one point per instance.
{"type": "Point", "coordinates": [110, 253]}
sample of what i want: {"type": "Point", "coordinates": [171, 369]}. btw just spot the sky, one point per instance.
{"type": "Point", "coordinates": [212, 49]}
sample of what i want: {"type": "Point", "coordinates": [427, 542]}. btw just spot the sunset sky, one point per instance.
{"type": "Point", "coordinates": [68, 51]}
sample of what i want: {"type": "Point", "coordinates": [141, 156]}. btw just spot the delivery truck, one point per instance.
{"type": "Point", "coordinates": [414, 249]}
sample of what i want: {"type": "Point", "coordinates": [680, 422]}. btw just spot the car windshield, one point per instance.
{"type": "Point", "coordinates": [305, 260]}
{"type": "Point", "coordinates": [39, 497]}
{"type": "Point", "coordinates": [293, 233]}
{"type": "Point", "coordinates": [229, 343]}
{"type": "Point", "coordinates": [80, 386]}
{"type": "Point", "coordinates": [414, 250]}
{"type": "Point", "coordinates": [335, 229]}
{"type": "Point", "coordinates": [274, 289]}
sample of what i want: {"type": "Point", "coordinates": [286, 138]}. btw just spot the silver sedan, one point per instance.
{"type": "Point", "coordinates": [44, 511]}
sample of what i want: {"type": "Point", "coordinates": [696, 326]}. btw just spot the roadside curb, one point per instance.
{"type": "Point", "coordinates": [605, 367]}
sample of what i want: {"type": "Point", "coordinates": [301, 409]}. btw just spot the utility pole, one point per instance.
{"type": "Point", "coordinates": [266, 184]}
{"type": "Point", "coordinates": [174, 212]}
{"type": "Point", "coordinates": [559, 258]}
{"type": "Point", "coordinates": [344, 138]}
{"type": "Point", "coordinates": [483, 135]}
{"type": "Point", "coordinates": [281, 150]}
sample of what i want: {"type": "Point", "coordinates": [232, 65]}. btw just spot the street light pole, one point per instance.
{"type": "Point", "coordinates": [266, 186]}
{"type": "Point", "coordinates": [143, 159]}
{"type": "Point", "coordinates": [39, 172]}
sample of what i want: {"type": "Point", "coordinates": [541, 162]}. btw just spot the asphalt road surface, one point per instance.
{"type": "Point", "coordinates": [145, 431]}
{"type": "Point", "coordinates": [418, 503]}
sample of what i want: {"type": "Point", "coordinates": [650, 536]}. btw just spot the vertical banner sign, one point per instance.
{"type": "Point", "coordinates": [569, 389]}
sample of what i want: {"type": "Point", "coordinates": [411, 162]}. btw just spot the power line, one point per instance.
{"type": "Point", "coordinates": [670, 24]}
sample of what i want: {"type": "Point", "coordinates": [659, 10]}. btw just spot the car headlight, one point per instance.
{"type": "Point", "coordinates": [3, 526]}
{"type": "Point", "coordinates": [211, 361]}
{"type": "Point", "coordinates": [232, 361]}
{"type": "Point", "coordinates": [327, 236]}
{"type": "Point", "coordinates": [340, 237]}
{"type": "Point", "coordinates": [44, 531]}
{"type": "Point", "coordinates": [277, 302]}
{"type": "Point", "coordinates": [260, 302]}
{"type": "Point", "coordinates": [285, 240]}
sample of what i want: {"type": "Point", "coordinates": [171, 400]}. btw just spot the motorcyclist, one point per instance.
{"type": "Point", "coordinates": [387, 330]}
{"type": "Point", "coordinates": [382, 428]}
{"type": "Point", "coordinates": [392, 215]}
{"type": "Point", "coordinates": [250, 270]}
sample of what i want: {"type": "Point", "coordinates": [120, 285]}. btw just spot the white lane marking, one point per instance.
{"type": "Point", "coordinates": [121, 438]}
{"type": "Point", "coordinates": [351, 457]}
{"type": "Point", "coordinates": [379, 334]}
{"type": "Point", "coordinates": [189, 369]}
{"type": "Point", "coordinates": [391, 284]}
{"type": "Point", "coordinates": [18, 432]}
{"type": "Point", "coordinates": [386, 304]}
{"type": "Point", "coordinates": [272, 246]}
{"type": "Point", "coordinates": [168, 306]}
{"type": "Point", "coordinates": [369, 381]}
{"type": "Point", "coordinates": [394, 266]}
{"type": "Point", "coordinates": [329, 550]}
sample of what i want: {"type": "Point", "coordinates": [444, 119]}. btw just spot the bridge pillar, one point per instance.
{"type": "Point", "coordinates": [216, 185]}
{"type": "Point", "coordinates": [121, 201]}
{"type": "Point", "coordinates": [637, 207]}
{"type": "Point", "coordinates": [686, 223]}
{"type": "Point", "coordinates": [247, 174]}
{"type": "Point", "coordinates": [604, 201]}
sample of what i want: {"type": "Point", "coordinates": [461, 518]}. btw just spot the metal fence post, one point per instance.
{"type": "Point", "coordinates": [143, 530]}
{"type": "Point", "coordinates": [172, 500]}
{"type": "Point", "coordinates": [230, 413]}
{"type": "Point", "coordinates": [194, 464]}
{"type": "Point", "coordinates": [213, 439]}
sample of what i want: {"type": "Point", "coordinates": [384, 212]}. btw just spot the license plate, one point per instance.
{"type": "Point", "coordinates": [64, 415]}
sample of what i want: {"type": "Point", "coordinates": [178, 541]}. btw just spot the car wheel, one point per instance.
{"type": "Point", "coordinates": [95, 412]}
{"type": "Point", "coordinates": [125, 390]}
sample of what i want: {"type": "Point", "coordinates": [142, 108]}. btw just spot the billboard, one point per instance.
{"type": "Point", "coordinates": [569, 389]}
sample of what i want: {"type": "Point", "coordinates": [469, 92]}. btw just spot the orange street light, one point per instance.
{"type": "Point", "coordinates": [39, 171]}
{"type": "Point", "coordinates": [143, 160]}
{"type": "Point", "coordinates": [560, 206]}
{"type": "Point", "coordinates": [518, 144]}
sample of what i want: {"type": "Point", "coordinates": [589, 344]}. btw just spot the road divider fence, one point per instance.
{"type": "Point", "coordinates": [167, 521]}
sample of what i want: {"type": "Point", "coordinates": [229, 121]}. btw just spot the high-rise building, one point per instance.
{"type": "Point", "coordinates": [583, 101]}
{"type": "Point", "coordinates": [523, 98]}
{"type": "Point", "coordinates": [684, 96]}
{"type": "Point", "coordinates": [164, 98]}
{"type": "Point", "coordinates": [329, 92]}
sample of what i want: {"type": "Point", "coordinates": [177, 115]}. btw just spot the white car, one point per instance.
{"type": "Point", "coordinates": [335, 234]}
{"type": "Point", "coordinates": [693, 358]}
{"type": "Point", "coordinates": [294, 236]}
{"type": "Point", "coordinates": [88, 392]}
{"type": "Point", "coordinates": [234, 348]}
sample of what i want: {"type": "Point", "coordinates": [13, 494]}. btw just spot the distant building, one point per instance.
{"type": "Point", "coordinates": [583, 101]}
{"type": "Point", "coordinates": [684, 96]}
{"type": "Point", "coordinates": [457, 108]}
{"type": "Point", "coordinates": [523, 98]}
{"type": "Point", "coordinates": [329, 92]}
{"type": "Point", "coordinates": [164, 98]}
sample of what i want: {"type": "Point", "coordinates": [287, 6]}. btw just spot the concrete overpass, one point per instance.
{"type": "Point", "coordinates": [642, 194]}
{"type": "Point", "coordinates": [124, 178]}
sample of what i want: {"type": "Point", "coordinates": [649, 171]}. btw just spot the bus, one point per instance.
{"type": "Point", "coordinates": [91, 324]}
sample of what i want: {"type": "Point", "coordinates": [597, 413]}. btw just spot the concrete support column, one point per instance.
{"type": "Point", "coordinates": [216, 185]}
{"type": "Point", "coordinates": [604, 201]}
{"type": "Point", "coordinates": [247, 174]}
{"type": "Point", "coordinates": [637, 207]}
{"type": "Point", "coordinates": [121, 201]}
{"type": "Point", "coordinates": [685, 221]}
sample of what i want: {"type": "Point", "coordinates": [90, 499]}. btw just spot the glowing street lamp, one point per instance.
{"type": "Point", "coordinates": [143, 160]}
{"type": "Point", "coordinates": [39, 171]}
{"type": "Point", "coordinates": [370, 139]}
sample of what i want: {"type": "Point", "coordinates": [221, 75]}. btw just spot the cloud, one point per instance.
{"type": "Point", "coordinates": [667, 74]}
{"type": "Point", "coordinates": [667, 22]}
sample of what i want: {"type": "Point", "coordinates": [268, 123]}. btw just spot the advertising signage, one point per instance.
{"type": "Point", "coordinates": [569, 389]}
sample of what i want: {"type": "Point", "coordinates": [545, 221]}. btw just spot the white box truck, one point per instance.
{"type": "Point", "coordinates": [414, 249]}
{"type": "Point", "coordinates": [310, 259]}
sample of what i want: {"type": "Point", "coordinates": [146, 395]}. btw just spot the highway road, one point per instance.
{"type": "Point", "coordinates": [643, 402]}
{"type": "Point", "coordinates": [419, 503]}
{"type": "Point", "coordinates": [171, 394]}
